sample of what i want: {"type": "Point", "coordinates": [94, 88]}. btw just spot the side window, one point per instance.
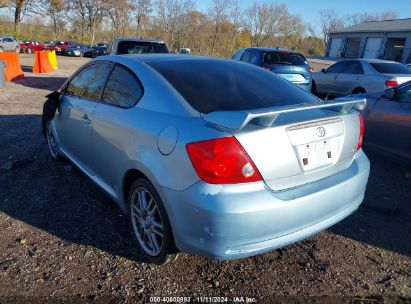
{"type": "Point", "coordinates": [122, 88]}
{"type": "Point", "coordinates": [353, 67]}
{"type": "Point", "coordinates": [8, 40]}
{"type": "Point", "coordinates": [404, 94]}
{"type": "Point", "coordinates": [89, 83]}
{"type": "Point", "coordinates": [247, 56]}
{"type": "Point", "coordinates": [337, 67]}
{"type": "Point", "coordinates": [237, 55]}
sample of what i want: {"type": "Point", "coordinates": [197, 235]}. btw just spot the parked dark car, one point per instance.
{"type": "Point", "coordinates": [60, 46]}
{"type": "Point", "coordinates": [77, 50]}
{"type": "Point", "coordinates": [387, 120]}
{"type": "Point", "coordinates": [121, 46]}
{"type": "Point", "coordinates": [288, 64]}
{"type": "Point", "coordinates": [95, 51]}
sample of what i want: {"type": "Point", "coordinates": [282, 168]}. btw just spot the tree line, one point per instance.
{"type": "Point", "coordinates": [219, 30]}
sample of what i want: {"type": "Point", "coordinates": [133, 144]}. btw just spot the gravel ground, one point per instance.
{"type": "Point", "coordinates": [63, 240]}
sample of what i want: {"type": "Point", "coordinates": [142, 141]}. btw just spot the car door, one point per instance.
{"type": "Point", "coordinates": [113, 123]}
{"type": "Point", "coordinates": [350, 78]}
{"type": "Point", "coordinates": [388, 124]}
{"type": "Point", "coordinates": [326, 81]}
{"type": "Point", "coordinates": [75, 119]}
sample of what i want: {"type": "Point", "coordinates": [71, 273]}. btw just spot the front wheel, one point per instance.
{"type": "Point", "coordinates": [51, 142]}
{"type": "Point", "coordinates": [150, 224]}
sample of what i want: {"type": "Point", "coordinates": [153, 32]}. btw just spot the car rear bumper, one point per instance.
{"type": "Point", "coordinates": [236, 221]}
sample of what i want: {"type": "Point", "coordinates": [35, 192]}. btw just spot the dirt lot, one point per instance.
{"type": "Point", "coordinates": [62, 239]}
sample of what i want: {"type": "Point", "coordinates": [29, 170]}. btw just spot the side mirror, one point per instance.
{"type": "Point", "coordinates": [323, 71]}
{"type": "Point", "coordinates": [389, 93]}
{"type": "Point", "coordinates": [55, 96]}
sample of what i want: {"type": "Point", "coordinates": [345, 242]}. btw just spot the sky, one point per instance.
{"type": "Point", "coordinates": [308, 9]}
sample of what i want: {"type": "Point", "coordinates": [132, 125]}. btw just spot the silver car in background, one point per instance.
{"type": "Point", "coordinates": [9, 44]}
{"type": "Point", "coordinates": [359, 76]}
{"type": "Point", "coordinates": [210, 156]}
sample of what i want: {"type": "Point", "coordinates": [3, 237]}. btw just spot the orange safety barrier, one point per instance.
{"type": "Point", "coordinates": [13, 70]}
{"type": "Point", "coordinates": [42, 63]}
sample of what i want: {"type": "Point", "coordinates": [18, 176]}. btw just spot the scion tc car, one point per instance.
{"type": "Point", "coordinates": [288, 64]}
{"type": "Point", "coordinates": [209, 156]}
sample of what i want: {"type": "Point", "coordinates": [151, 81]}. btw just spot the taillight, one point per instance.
{"type": "Point", "coordinates": [361, 136]}
{"type": "Point", "coordinates": [222, 161]}
{"type": "Point", "coordinates": [310, 70]}
{"type": "Point", "coordinates": [391, 83]}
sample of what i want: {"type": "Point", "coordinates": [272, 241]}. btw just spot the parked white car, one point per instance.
{"type": "Point", "coordinates": [9, 44]}
{"type": "Point", "coordinates": [359, 76]}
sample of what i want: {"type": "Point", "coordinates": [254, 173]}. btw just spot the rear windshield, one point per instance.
{"type": "Point", "coordinates": [141, 47]}
{"type": "Point", "coordinates": [284, 58]}
{"type": "Point", "coordinates": [223, 85]}
{"type": "Point", "coordinates": [390, 68]}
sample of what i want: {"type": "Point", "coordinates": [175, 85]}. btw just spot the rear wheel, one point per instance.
{"type": "Point", "coordinates": [150, 224]}
{"type": "Point", "coordinates": [313, 88]}
{"type": "Point", "coordinates": [358, 91]}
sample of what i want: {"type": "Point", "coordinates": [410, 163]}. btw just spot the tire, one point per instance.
{"type": "Point", "coordinates": [313, 88]}
{"type": "Point", "coordinates": [358, 91]}
{"type": "Point", "coordinates": [51, 142]}
{"type": "Point", "coordinates": [150, 224]}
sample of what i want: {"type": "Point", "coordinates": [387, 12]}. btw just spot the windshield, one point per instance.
{"type": "Point", "coordinates": [141, 47]}
{"type": "Point", "coordinates": [222, 85]}
{"type": "Point", "coordinates": [284, 58]}
{"type": "Point", "coordinates": [390, 68]}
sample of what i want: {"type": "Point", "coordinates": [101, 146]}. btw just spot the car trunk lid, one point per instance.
{"type": "Point", "coordinates": [295, 74]}
{"type": "Point", "coordinates": [302, 144]}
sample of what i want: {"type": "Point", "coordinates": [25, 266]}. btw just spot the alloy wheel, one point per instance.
{"type": "Point", "coordinates": [51, 141]}
{"type": "Point", "coordinates": [146, 221]}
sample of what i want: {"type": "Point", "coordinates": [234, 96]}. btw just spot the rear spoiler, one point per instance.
{"type": "Point", "coordinates": [236, 120]}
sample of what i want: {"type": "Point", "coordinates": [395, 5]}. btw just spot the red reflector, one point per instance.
{"type": "Point", "coordinates": [361, 136]}
{"type": "Point", "coordinates": [222, 161]}
{"type": "Point", "coordinates": [391, 83]}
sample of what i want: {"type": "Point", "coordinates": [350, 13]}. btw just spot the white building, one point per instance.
{"type": "Point", "coordinates": [389, 39]}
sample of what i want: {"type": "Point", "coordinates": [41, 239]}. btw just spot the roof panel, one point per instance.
{"type": "Point", "coordinates": [378, 26]}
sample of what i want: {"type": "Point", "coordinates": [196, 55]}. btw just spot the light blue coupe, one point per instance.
{"type": "Point", "coordinates": [209, 156]}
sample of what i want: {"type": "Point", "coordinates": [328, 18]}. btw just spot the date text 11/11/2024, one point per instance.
{"type": "Point", "coordinates": [236, 299]}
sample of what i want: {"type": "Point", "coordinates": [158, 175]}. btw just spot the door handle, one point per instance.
{"type": "Point", "coordinates": [86, 120]}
